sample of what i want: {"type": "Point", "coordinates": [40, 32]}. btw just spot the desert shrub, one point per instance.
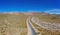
{"type": "Point", "coordinates": [54, 17]}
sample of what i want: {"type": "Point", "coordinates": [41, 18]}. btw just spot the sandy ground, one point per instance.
{"type": "Point", "coordinates": [46, 25]}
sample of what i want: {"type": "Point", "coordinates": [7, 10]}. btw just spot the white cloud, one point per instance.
{"type": "Point", "coordinates": [53, 11]}
{"type": "Point", "coordinates": [33, 11]}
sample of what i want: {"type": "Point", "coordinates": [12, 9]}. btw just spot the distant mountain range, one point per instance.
{"type": "Point", "coordinates": [28, 13]}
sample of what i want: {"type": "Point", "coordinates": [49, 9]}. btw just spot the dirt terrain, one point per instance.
{"type": "Point", "coordinates": [15, 23]}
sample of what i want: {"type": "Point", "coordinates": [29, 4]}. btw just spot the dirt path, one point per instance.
{"type": "Point", "coordinates": [31, 30]}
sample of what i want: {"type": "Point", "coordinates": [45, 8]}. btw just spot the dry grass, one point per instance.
{"type": "Point", "coordinates": [19, 21]}
{"type": "Point", "coordinates": [16, 21]}
{"type": "Point", "coordinates": [44, 31]}
{"type": "Point", "coordinates": [48, 18]}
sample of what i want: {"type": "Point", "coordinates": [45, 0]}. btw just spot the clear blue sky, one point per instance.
{"type": "Point", "coordinates": [28, 5]}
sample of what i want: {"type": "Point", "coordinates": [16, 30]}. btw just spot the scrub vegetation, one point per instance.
{"type": "Point", "coordinates": [11, 24]}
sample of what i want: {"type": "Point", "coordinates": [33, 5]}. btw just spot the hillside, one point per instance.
{"type": "Point", "coordinates": [45, 17]}
{"type": "Point", "coordinates": [10, 23]}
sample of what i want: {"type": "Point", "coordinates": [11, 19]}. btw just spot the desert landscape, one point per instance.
{"type": "Point", "coordinates": [29, 17]}
{"type": "Point", "coordinates": [16, 23]}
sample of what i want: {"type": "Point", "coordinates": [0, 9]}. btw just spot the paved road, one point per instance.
{"type": "Point", "coordinates": [31, 30]}
{"type": "Point", "coordinates": [46, 25]}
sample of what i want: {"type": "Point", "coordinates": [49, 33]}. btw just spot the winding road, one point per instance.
{"type": "Point", "coordinates": [30, 27]}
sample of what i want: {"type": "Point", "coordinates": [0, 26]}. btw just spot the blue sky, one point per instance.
{"type": "Point", "coordinates": [50, 6]}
